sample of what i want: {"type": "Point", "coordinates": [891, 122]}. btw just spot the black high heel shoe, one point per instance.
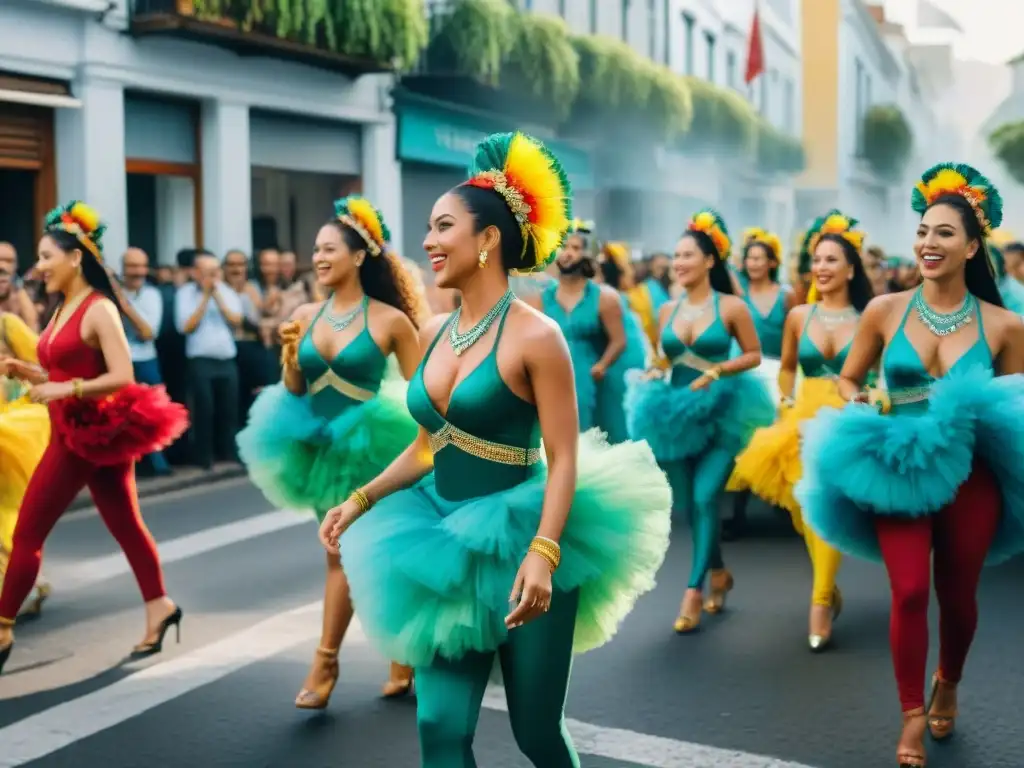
{"type": "Point", "coordinates": [5, 654]}
{"type": "Point", "coordinates": [144, 650]}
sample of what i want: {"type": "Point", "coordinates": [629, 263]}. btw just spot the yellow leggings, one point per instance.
{"type": "Point", "coordinates": [825, 562]}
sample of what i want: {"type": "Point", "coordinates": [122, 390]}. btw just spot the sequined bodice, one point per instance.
{"type": "Point", "coordinates": [713, 345]}
{"type": "Point", "coordinates": [813, 363]}
{"type": "Point", "coordinates": [352, 377]}
{"type": "Point", "coordinates": [63, 354]}
{"type": "Point", "coordinates": [769, 327]}
{"type": "Point", "coordinates": [489, 438]}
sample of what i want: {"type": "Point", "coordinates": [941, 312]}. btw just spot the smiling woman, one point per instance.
{"type": "Point", "coordinates": [929, 470]}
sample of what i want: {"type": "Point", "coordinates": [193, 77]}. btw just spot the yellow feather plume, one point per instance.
{"type": "Point", "coordinates": [529, 169]}
{"type": "Point", "coordinates": [770, 239]}
{"type": "Point", "coordinates": [366, 215]}
{"type": "Point", "coordinates": [86, 217]}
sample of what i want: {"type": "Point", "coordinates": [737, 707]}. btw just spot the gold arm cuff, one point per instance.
{"type": "Point", "coordinates": [551, 552]}
{"type": "Point", "coordinates": [361, 500]}
{"type": "Point", "coordinates": [76, 388]}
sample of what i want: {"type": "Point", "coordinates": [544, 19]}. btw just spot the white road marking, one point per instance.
{"type": "Point", "coordinates": [61, 726]}
{"type": "Point", "coordinates": [89, 572]}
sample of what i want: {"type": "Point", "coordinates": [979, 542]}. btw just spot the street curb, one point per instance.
{"type": "Point", "coordinates": [152, 488]}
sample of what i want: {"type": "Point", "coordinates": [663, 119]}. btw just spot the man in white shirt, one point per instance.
{"type": "Point", "coordinates": [142, 307]}
{"type": "Point", "coordinates": [207, 313]}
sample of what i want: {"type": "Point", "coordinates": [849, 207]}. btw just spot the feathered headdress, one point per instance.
{"type": "Point", "coordinates": [533, 184]}
{"type": "Point", "coordinates": [768, 239]}
{"type": "Point", "coordinates": [710, 222]}
{"type": "Point", "coordinates": [357, 212]}
{"type": "Point", "coordinates": [78, 219]}
{"type": "Point", "coordinates": [963, 180]}
{"type": "Point", "coordinates": [582, 227]}
{"type": "Point", "coordinates": [835, 222]}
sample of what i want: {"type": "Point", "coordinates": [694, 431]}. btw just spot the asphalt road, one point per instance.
{"type": "Point", "coordinates": [742, 693]}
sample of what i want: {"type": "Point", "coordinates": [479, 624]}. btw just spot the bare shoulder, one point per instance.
{"type": "Point", "coordinates": [103, 311]}
{"type": "Point", "coordinates": [1001, 320]}
{"type": "Point", "coordinates": [432, 327]}
{"type": "Point", "coordinates": [303, 313]}
{"type": "Point", "coordinates": [881, 307]}
{"type": "Point", "coordinates": [529, 323]}
{"type": "Point", "coordinates": [666, 309]}
{"type": "Point", "coordinates": [730, 304]}
{"type": "Point", "coordinates": [799, 313]}
{"type": "Point", "coordinates": [607, 294]}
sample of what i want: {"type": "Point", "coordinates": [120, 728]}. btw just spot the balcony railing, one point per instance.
{"type": "Point", "coordinates": [306, 34]}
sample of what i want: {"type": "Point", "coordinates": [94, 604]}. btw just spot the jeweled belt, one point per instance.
{"type": "Point", "coordinates": [499, 453]}
{"type": "Point", "coordinates": [696, 362]}
{"type": "Point", "coordinates": [908, 395]}
{"type": "Point", "coordinates": [345, 387]}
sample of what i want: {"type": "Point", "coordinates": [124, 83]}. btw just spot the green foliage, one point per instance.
{"type": "Point", "coordinates": [722, 120]}
{"type": "Point", "coordinates": [546, 61]}
{"type": "Point", "coordinates": [479, 35]}
{"type": "Point", "coordinates": [670, 103]}
{"type": "Point", "coordinates": [612, 74]}
{"type": "Point", "coordinates": [1007, 143]}
{"type": "Point", "coordinates": [888, 141]}
{"type": "Point", "coordinates": [778, 152]}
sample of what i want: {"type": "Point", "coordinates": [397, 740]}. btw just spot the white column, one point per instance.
{"type": "Point", "coordinates": [90, 159]}
{"type": "Point", "coordinates": [227, 178]}
{"type": "Point", "coordinates": [382, 174]}
{"type": "Point", "coordinates": [175, 217]}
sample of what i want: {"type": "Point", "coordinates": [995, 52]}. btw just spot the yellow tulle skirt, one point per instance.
{"type": "Point", "coordinates": [24, 433]}
{"type": "Point", "coordinates": [770, 465]}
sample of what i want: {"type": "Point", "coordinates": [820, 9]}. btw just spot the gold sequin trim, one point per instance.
{"type": "Point", "coordinates": [347, 388]}
{"type": "Point", "coordinates": [499, 453]}
{"type": "Point", "coordinates": [909, 395]}
{"type": "Point", "coordinates": [696, 362]}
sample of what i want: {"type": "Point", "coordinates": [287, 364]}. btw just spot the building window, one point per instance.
{"type": "Point", "coordinates": [710, 40]}
{"type": "Point", "coordinates": [764, 95]}
{"type": "Point", "coordinates": [652, 30]}
{"type": "Point", "coordinates": [625, 20]}
{"type": "Point", "coordinates": [688, 24]}
{"type": "Point", "coordinates": [666, 35]}
{"type": "Point", "coordinates": [561, 8]}
{"type": "Point", "coordinates": [858, 107]}
{"type": "Point", "coordinates": [593, 17]}
{"type": "Point", "coordinates": [789, 119]}
{"type": "Point", "coordinates": [730, 69]}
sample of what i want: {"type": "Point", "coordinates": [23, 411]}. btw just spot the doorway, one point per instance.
{"type": "Point", "coordinates": [18, 214]}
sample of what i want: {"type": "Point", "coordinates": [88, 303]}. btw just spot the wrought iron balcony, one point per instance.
{"type": "Point", "coordinates": [306, 32]}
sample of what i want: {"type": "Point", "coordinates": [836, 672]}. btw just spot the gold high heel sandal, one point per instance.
{"type": "Point", "coordinates": [819, 643]}
{"type": "Point", "coordinates": [940, 726]}
{"type": "Point", "coordinates": [686, 623]}
{"type": "Point", "coordinates": [34, 607]}
{"type": "Point", "coordinates": [399, 681]}
{"type": "Point", "coordinates": [907, 758]}
{"type": "Point", "coordinates": [320, 696]}
{"type": "Point", "coordinates": [722, 583]}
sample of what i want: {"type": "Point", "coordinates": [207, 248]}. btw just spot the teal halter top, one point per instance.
{"type": "Point", "coordinates": [904, 371]}
{"type": "Point", "coordinates": [484, 418]}
{"type": "Point", "coordinates": [582, 323]}
{"type": "Point", "coordinates": [769, 327]}
{"type": "Point", "coordinates": [352, 377]}
{"type": "Point", "coordinates": [812, 362]}
{"type": "Point", "coordinates": [712, 346]}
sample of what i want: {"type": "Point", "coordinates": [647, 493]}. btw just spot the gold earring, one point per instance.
{"type": "Point", "coordinates": [482, 259]}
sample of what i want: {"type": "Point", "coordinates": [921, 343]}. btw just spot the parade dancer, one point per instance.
{"type": "Point", "coordinates": [700, 414]}
{"type": "Point", "coordinates": [576, 529]}
{"type": "Point", "coordinates": [817, 338]}
{"type": "Point", "coordinates": [101, 423]}
{"type": "Point", "coordinates": [1010, 288]}
{"type": "Point", "coordinates": [338, 418]}
{"type": "Point", "coordinates": [24, 433]}
{"type": "Point", "coordinates": [930, 470]}
{"type": "Point", "coordinates": [590, 316]}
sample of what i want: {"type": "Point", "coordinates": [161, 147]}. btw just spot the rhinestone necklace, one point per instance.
{"type": "Point", "coordinates": [831, 319]}
{"type": "Point", "coordinates": [690, 312]}
{"type": "Point", "coordinates": [344, 320]}
{"type": "Point", "coordinates": [940, 324]}
{"type": "Point", "coordinates": [460, 342]}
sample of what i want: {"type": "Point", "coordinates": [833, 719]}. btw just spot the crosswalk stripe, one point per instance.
{"type": "Point", "coordinates": [65, 724]}
{"type": "Point", "coordinates": [98, 569]}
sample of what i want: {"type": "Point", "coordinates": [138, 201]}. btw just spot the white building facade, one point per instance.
{"type": "Point", "coordinates": [180, 142]}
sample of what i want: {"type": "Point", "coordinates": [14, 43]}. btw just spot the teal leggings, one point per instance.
{"type": "Point", "coordinates": [535, 664]}
{"type": "Point", "coordinates": [697, 483]}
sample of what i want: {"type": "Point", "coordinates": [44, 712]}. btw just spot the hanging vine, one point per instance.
{"type": "Point", "coordinates": [1007, 143]}
{"type": "Point", "coordinates": [544, 57]}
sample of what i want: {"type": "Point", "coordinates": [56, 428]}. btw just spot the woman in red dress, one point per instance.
{"type": "Point", "coordinates": [101, 422]}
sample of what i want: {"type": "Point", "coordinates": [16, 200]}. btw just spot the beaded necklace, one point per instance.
{"type": "Point", "coordinates": [460, 342]}
{"type": "Point", "coordinates": [344, 320]}
{"type": "Point", "coordinates": [944, 324]}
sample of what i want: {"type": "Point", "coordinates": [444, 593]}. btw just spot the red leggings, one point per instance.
{"type": "Point", "coordinates": [57, 480]}
{"type": "Point", "coordinates": [960, 535]}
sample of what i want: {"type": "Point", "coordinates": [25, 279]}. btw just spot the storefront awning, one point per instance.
{"type": "Point", "coordinates": [36, 92]}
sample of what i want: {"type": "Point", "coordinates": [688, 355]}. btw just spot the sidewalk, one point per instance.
{"type": "Point", "coordinates": [183, 477]}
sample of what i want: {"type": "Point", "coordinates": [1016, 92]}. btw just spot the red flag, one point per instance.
{"type": "Point", "coordinates": [755, 52]}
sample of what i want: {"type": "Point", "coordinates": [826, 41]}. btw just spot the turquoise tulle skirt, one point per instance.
{"type": "Point", "coordinates": [679, 423]}
{"type": "Point", "coordinates": [301, 460]}
{"type": "Point", "coordinates": [1013, 294]}
{"type": "Point", "coordinates": [611, 414]}
{"type": "Point", "coordinates": [432, 577]}
{"type": "Point", "coordinates": [859, 464]}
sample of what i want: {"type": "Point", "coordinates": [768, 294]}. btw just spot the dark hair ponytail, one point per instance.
{"type": "Point", "coordinates": [93, 271]}
{"type": "Point", "coordinates": [489, 209]}
{"type": "Point", "coordinates": [978, 270]}
{"type": "Point", "coordinates": [612, 273]}
{"type": "Point", "coordinates": [721, 280]}
{"type": "Point", "coordinates": [859, 287]}
{"type": "Point", "coordinates": [384, 277]}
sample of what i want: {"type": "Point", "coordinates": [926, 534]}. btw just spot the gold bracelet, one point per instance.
{"type": "Point", "coordinates": [547, 549]}
{"type": "Point", "coordinates": [76, 388]}
{"type": "Point", "coordinates": [361, 499]}
{"type": "Point", "coordinates": [714, 372]}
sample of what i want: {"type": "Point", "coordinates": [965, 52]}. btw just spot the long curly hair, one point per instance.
{"type": "Point", "coordinates": [385, 278]}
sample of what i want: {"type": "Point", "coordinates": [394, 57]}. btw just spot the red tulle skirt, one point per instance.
{"type": "Point", "coordinates": [124, 426]}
